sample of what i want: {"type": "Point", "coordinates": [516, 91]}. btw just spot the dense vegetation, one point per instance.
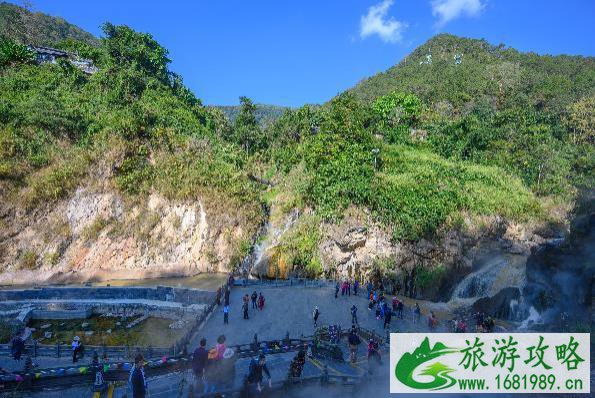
{"type": "Point", "coordinates": [265, 114]}
{"type": "Point", "coordinates": [37, 28]}
{"type": "Point", "coordinates": [498, 133]}
{"type": "Point", "coordinates": [493, 105]}
{"type": "Point", "coordinates": [134, 114]}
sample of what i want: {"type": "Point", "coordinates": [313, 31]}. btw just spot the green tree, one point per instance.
{"type": "Point", "coordinates": [395, 113]}
{"type": "Point", "coordinates": [128, 48]}
{"type": "Point", "coordinates": [397, 108]}
{"type": "Point", "coordinates": [580, 120]}
{"type": "Point", "coordinates": [84, 49]}
{"type": "Point", "coordinates": [247, 133]}
{"type": "Point", "coordinates": [13, 54]}
{"type": "Point", "coordinates": [340, 157]}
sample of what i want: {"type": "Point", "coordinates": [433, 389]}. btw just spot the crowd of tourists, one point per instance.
{"type": "Point", "coordinates": [211, 370]}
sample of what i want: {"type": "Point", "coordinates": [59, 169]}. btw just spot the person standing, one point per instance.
{"type": "Point", "coordinates": [226, 314]}
{"type": "Point", "coordinates": [387, 317]}
{"type": "Point", "coordinates": [219, 294]}
{"type": "Point", "coordinates": [337, 289]}
{"type": "Point", "coordinates": [17, 347]}
{"type": "Point", "coordinates": [349, 288]}
{"type": "Point", "coordinates": [353, 340]}
{"type": "Point", "coordinates": [384, 309]}
{"type": "Point", "coordinates": [374, 359]}
{"type": "Point", "coordinates": [354, 315]}
{"type": "Point", "coordinates": [137, 379]}
{"type": "Point", "coordinates": [355, 287]}
{"type": "Point", "coordinates": [77, 347]}
{"type": "Point", "coordinates": [297, 365]}
{"type": "Point", "coordinates": [220, 347]}
{"type": "Point", "coordinates": [260, 302]}
{"type": "Point", "coordinates": [199, 364]}
{"type": "Point", "coordinates": [254, 297]}
{"type": "Point", "coordinates": [256, 371]}
{"type": "Point", "coordinates": [416, 313]}
{"type": "Point", "coordinates": [369, 288]}
{"type": "Point", "coordinates": [400, 308]}
{"type": "Point", "coordinates": [432, 321]}
{"type": "Point", "coordinates": [245, 309]}
{"type": "Point", "coordinates": [226, 295]}
{"type": "Point", "coordinates": [315, 316]}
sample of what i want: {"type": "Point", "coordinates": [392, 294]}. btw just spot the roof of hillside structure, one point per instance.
{"type": "Point", "coordinates": [51, 51]}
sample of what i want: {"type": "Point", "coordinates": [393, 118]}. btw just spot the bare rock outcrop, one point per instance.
{"type": "Point", "coordinates": [360, 248]}
{"type": "Point", "coordinates": [97, 235]}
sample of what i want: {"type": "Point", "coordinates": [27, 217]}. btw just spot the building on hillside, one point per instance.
{"type": "Point", "coordinates": [52, 55]}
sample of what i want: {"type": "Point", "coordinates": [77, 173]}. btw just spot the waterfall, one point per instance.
{"type": "Point", "coordinates": [268, 237]}
{"type": "Point", "coordinates": [533, 319]}
{"type": "Point", "coordinates": [493, 273]}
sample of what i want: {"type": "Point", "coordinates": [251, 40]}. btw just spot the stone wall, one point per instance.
{"type": "Point", "coordinates": [159, 293]}
{"type": "Point", "coordinates": [63, 314]}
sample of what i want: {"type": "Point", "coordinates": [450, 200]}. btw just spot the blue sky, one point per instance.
{"type": "Point", "coordinates": [296, 52]}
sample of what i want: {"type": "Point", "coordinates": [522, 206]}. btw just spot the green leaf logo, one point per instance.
{"type": "Point", "coordinates": [422, 354]}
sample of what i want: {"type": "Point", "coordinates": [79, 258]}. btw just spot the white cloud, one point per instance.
{"type": "Point", "coordinates": [376, 22]}
{"type": "Point", "coordinates": [447, 10]}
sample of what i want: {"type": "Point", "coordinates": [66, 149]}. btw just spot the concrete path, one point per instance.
{"type": "Point", "coordinates": [289, 309]}
{"type": "Point", "coordinates": [42, 362]}
{"type": "Point", "coordinates": [286, 309]}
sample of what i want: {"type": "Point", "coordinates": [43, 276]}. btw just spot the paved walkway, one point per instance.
{"type": "Point", "coordinates": [290, 309]}
{"type": "Point", "coordinates": [43, 362]}
{"type": "Point", "coordinates": [287, 309]}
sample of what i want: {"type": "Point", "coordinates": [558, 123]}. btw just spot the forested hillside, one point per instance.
{"type": "Point", "coordinates": [426, 147]}
{"type": "Point", "coordinates": [39, 29]}
{"type": "Point", "coordinates": [494, 105]}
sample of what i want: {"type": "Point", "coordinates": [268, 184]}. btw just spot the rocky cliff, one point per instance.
{"type": "Point", "coordinates": [357, 247]}
{"type": "Point", "coordinates": [96, 234]}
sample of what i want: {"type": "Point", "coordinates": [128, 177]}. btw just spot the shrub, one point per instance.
{"type": "Point", "coordinates": [417, 191]}
{"type": "Point", "coordinates": [297, 250]}
{"type": "Point", "coordinates": [57, 180]}
{"type": "Point", "coordinates": [8, 329]}
{"type": "Point", "coordinates": [28, 260]}
{"type": "Point", "coordinates": [427, 276]}
{"type": "Point", "coordinates": [52, 258]}
{"type": "Point", "coordinates": [92, 231]}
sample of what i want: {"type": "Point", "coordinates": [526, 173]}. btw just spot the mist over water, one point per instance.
{"type": "Point", "coordinates": [560, 280]}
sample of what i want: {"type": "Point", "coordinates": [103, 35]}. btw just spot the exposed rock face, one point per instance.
{"type": "Point", "coordinates": [97, 235]}
{"type": "Point", "coordinates": [359, 248]}
{"type": "Point", "coordinates": [85, 207]}
{"type": "Point", "coordinates": [349, 249]}
{"type": "Point", "coordinates": [499, 305]}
